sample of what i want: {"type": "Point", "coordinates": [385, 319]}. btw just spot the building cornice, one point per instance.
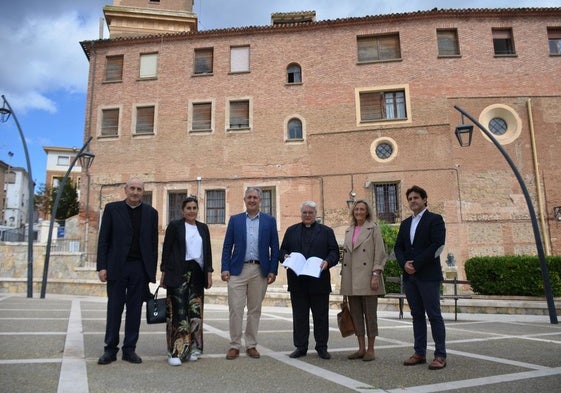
{"type": "Point", "coordinates": [90, 45]}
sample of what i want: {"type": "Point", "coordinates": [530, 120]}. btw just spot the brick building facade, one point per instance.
{"type": "Point", "coordinates": [321, 110]}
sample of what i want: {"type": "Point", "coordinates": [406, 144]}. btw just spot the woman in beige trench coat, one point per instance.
{"type": "Point", "coordinates": [364, 257]}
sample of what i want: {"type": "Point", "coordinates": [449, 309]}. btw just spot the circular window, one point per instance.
{"type": "Point", "coordinates": [383, 149]}
{"type": "Point", "coordinates": [502, 121]}
{"type": "Point", "coordinates": [498, 126]}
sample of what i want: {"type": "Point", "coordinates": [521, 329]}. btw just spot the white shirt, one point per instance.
{"type": "Point", "coordinates": [414, 222]}
{"type": "Point", "coordinates": [193, 244]}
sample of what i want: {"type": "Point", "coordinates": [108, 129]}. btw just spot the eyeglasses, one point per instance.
{"type": "Point", "coordinates": [308, 213]}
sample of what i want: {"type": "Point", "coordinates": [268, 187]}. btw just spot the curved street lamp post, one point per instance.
{"type": "Point", "coordinates": [5, 113]}
{"type": "Point", "coordinates": [86, 161]}
{"type": "Point", "coordinates": [467, 130]}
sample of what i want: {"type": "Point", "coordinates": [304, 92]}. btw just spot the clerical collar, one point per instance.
{"type": "Point", "coordinates": [131, 206]}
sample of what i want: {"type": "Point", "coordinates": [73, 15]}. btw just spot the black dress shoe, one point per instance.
{"type": "Point", "coordinates": [297, 353]}
{"type": "Point", "coordinates": [132, 357]}
{"type": "Point", "coordinates": [107, 358]}
{"type": "Point", "coordinates": [322, 352]}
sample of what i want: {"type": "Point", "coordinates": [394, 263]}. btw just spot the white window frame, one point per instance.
{"type": "Point", "coordinates": [383, 89]}
{"type": "Point", "coordinates": [239, 59]}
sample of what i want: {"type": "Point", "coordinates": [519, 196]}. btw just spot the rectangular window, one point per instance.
{"type": "Point", "coordinates": [268, 202]}
{"type": "Point", "coordinates": [114, 68]}
{"type": "Point", "coordinates": [503, 42]}
{"type": "Point", "coordinates": [554, 39]}
{"type": "Point", "coordinates": [382, 105]}
{"type": "Point", "coordinates": [448, 42]}
{"type": "Point", "coordinates": [215, 207]}
{"type": "Point", "coordinates": [109, 122]}
{"type": "Point", "coordinates": [378, 48]}
{"type": "Point", "coordinates": [239, 59]}
{"type": "Point", "coordinates": [145, 120]}
{"type": "Point", "coordinates": [202, 117]}
{"type": "Point", "coordinates": [147, 197]}
{"type": "Point", "coordinates": [203, 61]}
{"type": "Point", "coordinates": [148, 65]}
{"type": "Point", "coordinates": [386, 197]}
{"type": "Point", "coordinates": [63, 160]}
{"type": "Point", "coordinates": [175, 198]}
{"type": "Point", "coordinates": [239, 114]}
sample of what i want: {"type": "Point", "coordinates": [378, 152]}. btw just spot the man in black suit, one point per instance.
{"type": "Point", "coordinates": [127, 254]}
{"type": "Point", "coordinates": [419, 242]}
{"type": "Point", "coordinates": [311, 239]}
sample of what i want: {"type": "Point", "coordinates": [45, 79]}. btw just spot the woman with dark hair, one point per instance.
{"type": "Point", "coordinates": [364, 259]}
{"type": "Point", "coordinates": [186, 271]}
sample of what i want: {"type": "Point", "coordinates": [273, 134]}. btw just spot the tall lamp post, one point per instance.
{"type": "Point", "coordinates": [466, 130]}
{"type": "Point", "coordinates": [86, 161]}
{"type": "Point", "coordinates": [5, 113]}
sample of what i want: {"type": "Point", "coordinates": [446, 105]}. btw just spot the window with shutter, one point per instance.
{"type": "Point", "coordinates": [239, 59]}
{"type": "Point", "coordinates": [503, 43]}
{"type": "Point", "coordinates": [145, 120]}
{"type": "Point", "coordinates": [382, 105]}
{"type": "Point", "coordinates": [239, 114]}
{"type": "Point", "coordinates": [202, 117]}
{"type": "Point", "coordinates": [148, 65]}
{"type": "Point", "coordinates": [378, 48]}
{"type": "Point", "coordinates": [110, 122]}
{"type": "Point", "coordinates": [114, 68]}
{"type": "Point", "coordinates": [175, 198]}
{"type": "Point", "coordinates": [448, 42]}
{"type": "Point", "coordinates": [204, 61]}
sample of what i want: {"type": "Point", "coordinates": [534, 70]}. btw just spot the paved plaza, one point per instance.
{"type": "Point", "coordinates": [52, 345]}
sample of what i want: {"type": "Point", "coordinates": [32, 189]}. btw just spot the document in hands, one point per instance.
{"type": "Point", "coordinates": [300, 265]}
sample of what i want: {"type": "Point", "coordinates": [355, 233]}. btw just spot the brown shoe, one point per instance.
{"type": "Point", "coordinates": [252, 353]}
{"type": "Point", "coordinates": [415, 359]}
{"type": "Point", "coordinates": [368, 356]}
{"type": "Point", "coordinates": [356, 355]}
{"type": "Point", "coordinates": [232, 353]}
{"type": "Point", "coordinates": [437, 364]}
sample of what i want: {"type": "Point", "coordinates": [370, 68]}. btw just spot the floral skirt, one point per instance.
{"type": "Point", "coordinates": [184, 329]}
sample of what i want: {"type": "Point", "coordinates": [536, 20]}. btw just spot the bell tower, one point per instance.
{"type": "Point", "coordinates": [126, 18]}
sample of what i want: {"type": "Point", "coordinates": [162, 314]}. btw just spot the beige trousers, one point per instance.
{"type": "Point", "coordinates": [249, 289]}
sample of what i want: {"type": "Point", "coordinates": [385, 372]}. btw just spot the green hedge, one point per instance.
{"type": "Point", "coordinates": [512, 275]}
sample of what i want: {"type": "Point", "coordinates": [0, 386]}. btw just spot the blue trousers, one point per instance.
{"type": "Point", "coordinates": [423, 298]}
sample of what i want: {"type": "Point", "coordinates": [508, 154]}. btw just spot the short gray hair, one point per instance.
{"type": "Point", "coordinates": [251, 189]}
{"type": "Point", "coordinates": [311, 204]}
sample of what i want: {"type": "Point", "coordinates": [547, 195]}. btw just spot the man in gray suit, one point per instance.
{"type": "Point", "coordinates": [127, 254]}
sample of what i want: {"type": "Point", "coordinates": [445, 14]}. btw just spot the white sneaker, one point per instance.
{"type": "Point", "coordinates": [174, 361]}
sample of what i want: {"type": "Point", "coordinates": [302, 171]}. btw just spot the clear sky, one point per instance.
{"type": "Point", "coordinates": [44, 72]}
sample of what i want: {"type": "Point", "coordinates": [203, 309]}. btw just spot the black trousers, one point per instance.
{"type": "Point", "coordinates": [129, 290]}
{"type": "Point", "coordinates": [302, 303]}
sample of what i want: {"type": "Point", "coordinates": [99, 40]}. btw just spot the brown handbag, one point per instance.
{"type": "Point", "coordinates": [344, 319]}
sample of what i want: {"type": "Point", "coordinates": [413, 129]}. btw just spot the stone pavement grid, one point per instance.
{"type": "Point", "coordinates": [52, 345]}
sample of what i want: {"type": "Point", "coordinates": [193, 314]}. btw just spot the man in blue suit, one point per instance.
{"type": "Point", "coordinates": [419, 242]}
{"type": "Point", "coordinates": [249, 263]}
{"type": "Point", "coordinates": [127, 254]}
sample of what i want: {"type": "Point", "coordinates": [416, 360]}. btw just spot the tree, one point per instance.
{"type": "Point", "coordinates": [68, 205]}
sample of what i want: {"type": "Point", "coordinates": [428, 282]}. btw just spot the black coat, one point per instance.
{"type": "Point", "coordinates": [174, 249]}
{"type": "Point", "coordinates": [324, 245]}
{"type": "Point", "coordinates": [115, 237]}
{"type": "Point", "coordinates": [428, 243]}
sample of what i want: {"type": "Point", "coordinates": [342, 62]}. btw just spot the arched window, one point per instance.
{"type": "Point", "coordinates": [293, 73]}
{"type": "Point", "coordinates": [294, 129]}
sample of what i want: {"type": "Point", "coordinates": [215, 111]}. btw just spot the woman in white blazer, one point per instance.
{"type": "Point", "coordinates": [361, 276]}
